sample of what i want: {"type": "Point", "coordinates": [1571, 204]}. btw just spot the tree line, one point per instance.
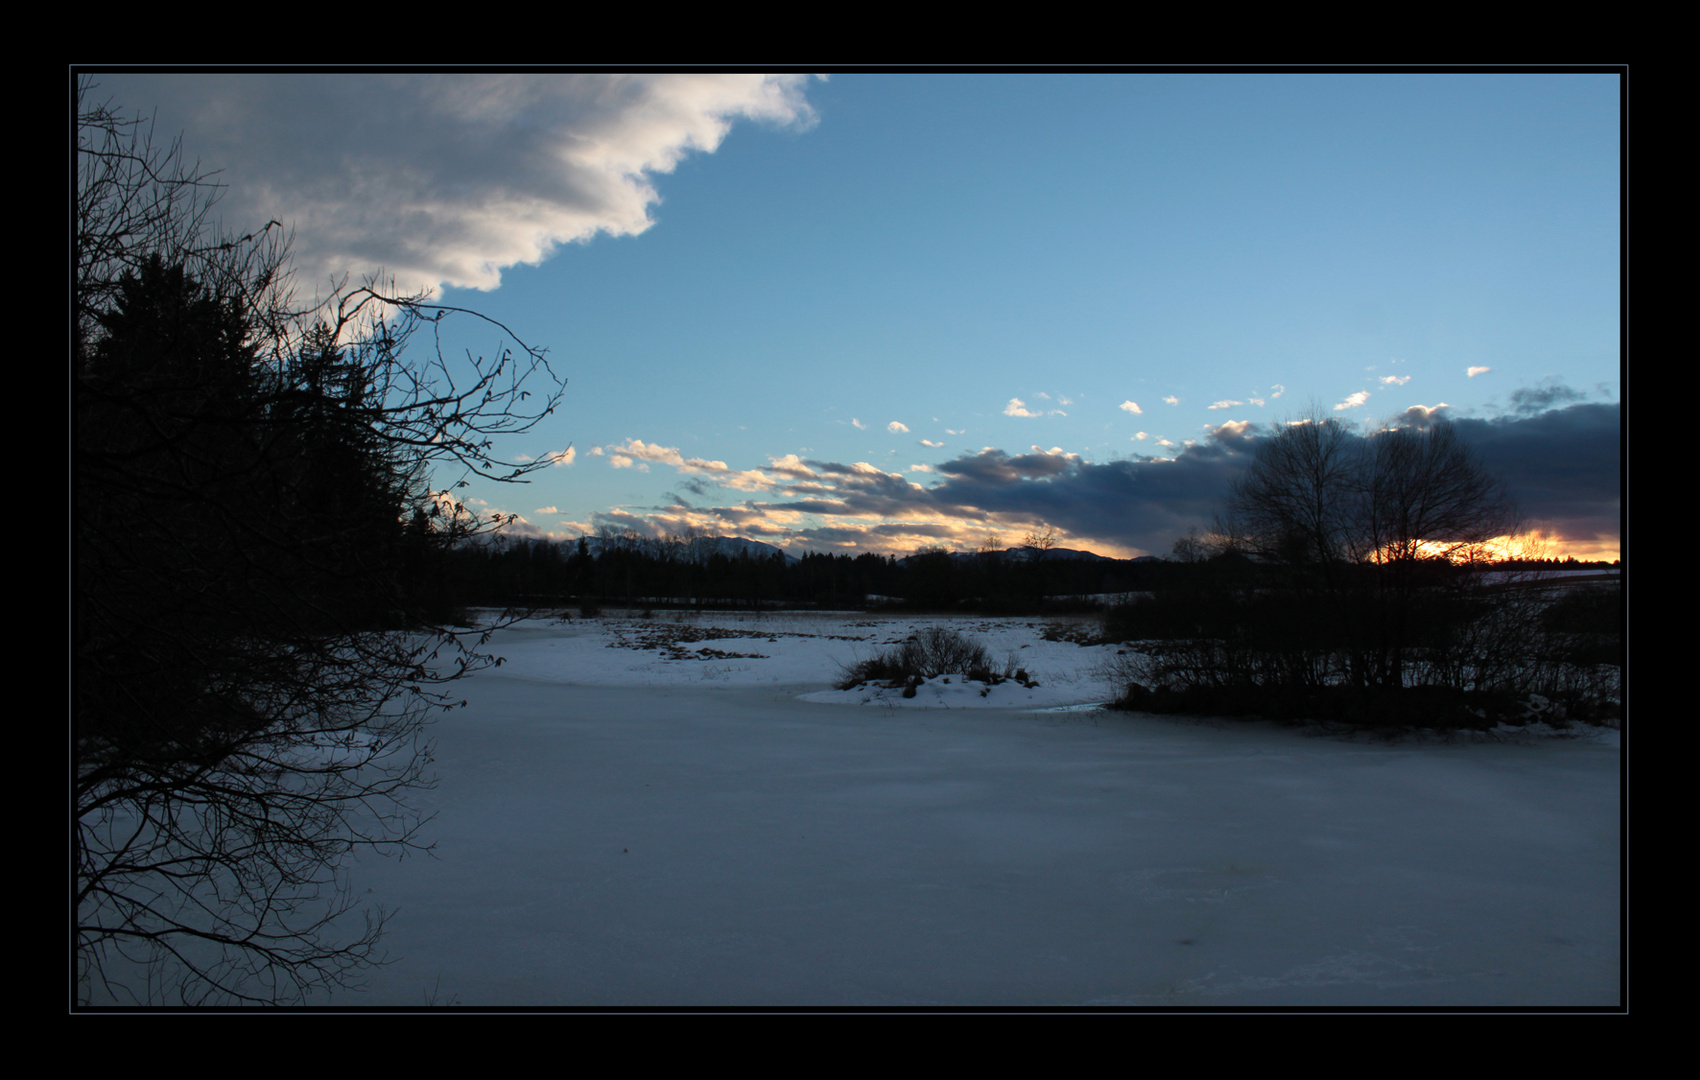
{"type": "Point", "coordinates": [637, 572]}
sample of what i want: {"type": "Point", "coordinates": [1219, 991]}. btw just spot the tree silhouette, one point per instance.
{"type": "Point", "coordinates": [256, 650]}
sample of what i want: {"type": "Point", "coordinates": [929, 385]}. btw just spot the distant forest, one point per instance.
{"type": "Point", "coordinates": [640, 573]}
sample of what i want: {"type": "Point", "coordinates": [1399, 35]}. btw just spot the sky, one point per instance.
{"type": "Point", "coordinates": [884, 311]}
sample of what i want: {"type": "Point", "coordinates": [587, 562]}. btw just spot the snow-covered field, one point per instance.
{"type": "Point", "coordinates": [648, 813]}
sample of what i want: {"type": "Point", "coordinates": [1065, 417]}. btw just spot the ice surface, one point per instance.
{"type": "Point", "coordinates": [616, 828]}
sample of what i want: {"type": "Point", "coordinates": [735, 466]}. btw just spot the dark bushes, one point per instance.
{"type": "Point", "coordinates": [1464, 648]}
{"type": "Point", "coordinates": [933, 652]}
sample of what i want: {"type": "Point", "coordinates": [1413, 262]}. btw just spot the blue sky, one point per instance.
{"type": "Point", "coordinates": [881, 311]}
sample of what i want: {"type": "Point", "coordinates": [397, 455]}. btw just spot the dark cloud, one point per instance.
{"type": "Point", "coordinates": [1529, 400]}
{"type": "Point", "coordinates": [995, 466]}
{"type": "Point", "coordinates": [1564, 466]}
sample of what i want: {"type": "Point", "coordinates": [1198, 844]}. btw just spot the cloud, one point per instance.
{"type": "Point", "coordinates": [1141, 436]}
{"type": "Point", "coordinates": [1171, 400]}
{"type": "Point", "coordinates": [1528, 400]}
{"type": "Point", "coordinates": [1422, 416]}
{"type": "Point", "coordinates": [596, 451]}
{"type": "Point", "coordinates": [1130, 406]}
{"type": "Point", "coordinates": [1017, 407]}
{"type": "Point", "coordinates": [1233, 429]}
{"type": "Point", "coordinates": [637, 449]}
{"type": "Point", "coordinates": [896, 428]}
{"type": "Point", "coordinates": [1226, 403]}
{"type": "Point", "coordinates": [931, 443]}
{"type": "Point", "coordinates": [857, 424]}
{"type": "Point", "coordinates": [790, 465]}
{"type": "Point", "coordinates": [563, 457]}
{"type": "Point", "coordinates": [449, 178]}
{"type": "Point", "coordinates": [1395, 380]}
{"type": "Point", "coordinates": [1278, 388]}
{"type": "Point", "coordinates": [1473, 372]}
{"type": "Point", "coordinates": [1353, 401]}
{"type": "Point", "coordinates": [949, 431]}
{"type": "Point", "coordinates": [1562, 465]}
{"type": "Point", "coordinates": [546, 510]}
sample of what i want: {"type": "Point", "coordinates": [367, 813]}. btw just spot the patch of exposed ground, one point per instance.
{"type": "Point", "coordinates": [671, 639]}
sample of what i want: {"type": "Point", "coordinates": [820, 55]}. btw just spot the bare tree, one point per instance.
{"type": "Point", "coordinates": [1379, 524]}
{"type": "Point", "coordinates": [1428, 496]}
{"type": "Point", "coordinates": [1300, 502]}
{"type": "Point", "coordinates": [255, 661]}
{"type": "Point", "coordinates": [1039, 541]}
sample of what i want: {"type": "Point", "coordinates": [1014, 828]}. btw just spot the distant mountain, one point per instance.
{"type": "Point", "coordinates": [1022, 554]}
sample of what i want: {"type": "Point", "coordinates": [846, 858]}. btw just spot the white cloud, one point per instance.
{"type": "Point", "coordinates": [448, 178]}
{"type": "Point", "coordinates": [896, 428]}
{"type": "Point", "coordinates": [564, 457]}
{"type": "Point", "coordinates": [790, 465]}
{"type": "Point", "coordinates": [1224, 404]}
{"type": "Point", "coordinates": [920, 468]}
{"type": "Point", "coordinates": [1129, 406]}
{"type": "Point", "coordinates": [857, 424]}
{"type": "Point", "coordinates": [1171, 400]}
{"type": "Point", "coordinates": [621, 461]}
{"type": "Point", "coordinates": [1353, 401]}
{"type": "Point", "coordinates": [748, 480]}
{"type": "Point", "coordinates": [949, 431]}
{"type": "Point", "coordinates": [1395, 380]}
{"type": "Point", "coordinates": [1056, 451]}
{"type": "Point", "coordinates": [596, 451]}
{"type": "Point", "coordinates": [1017, 407]}
{"type": "Point", "coordinates": [1473, 372]}
{"type": "Point", "coordinates": [929, 442]}
{"type": "Point", "coordinates": [546, 510]}
{"type": "Point", "coordinates": [668, 455]}
{"type": "Point", "coordinates": [1279, 390]}
{"type": "Point", "coordinates": [1141, 436]}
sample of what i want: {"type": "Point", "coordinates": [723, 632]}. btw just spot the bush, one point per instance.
{"type": "Point", "coordinates": [932, 652]}
{"type": "Point", "coordinates": [1454, 648]}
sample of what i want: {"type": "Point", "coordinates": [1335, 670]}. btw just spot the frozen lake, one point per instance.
{"type": "Point", "coordinates": [616, 828]}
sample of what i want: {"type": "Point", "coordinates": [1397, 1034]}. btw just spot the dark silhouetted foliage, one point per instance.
{"type": "Point", "coordinates": [260, 622]}
{"type": "Point", "coordinates": [1349, 581]}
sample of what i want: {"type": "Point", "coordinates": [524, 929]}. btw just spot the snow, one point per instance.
{"type": "Point", "coordinates": [619, 828]}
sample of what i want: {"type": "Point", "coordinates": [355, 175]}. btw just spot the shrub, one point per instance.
{"type": "Point", "coordinates": [932, 652]}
